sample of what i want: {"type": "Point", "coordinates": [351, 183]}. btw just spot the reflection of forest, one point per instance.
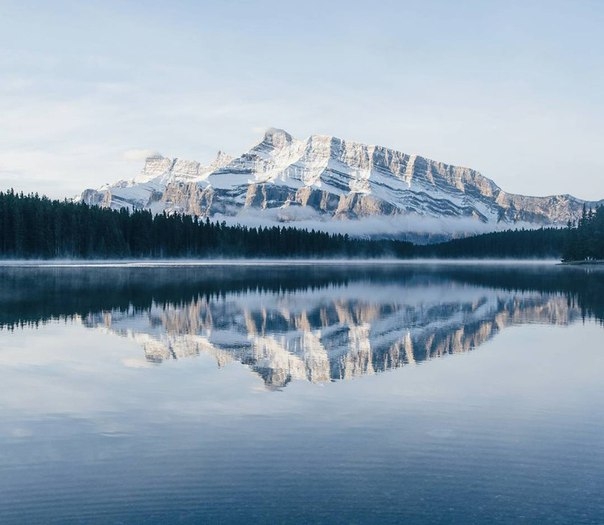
{"type": "Point", "coordinates": [33, 295]}
{"type": "Point", "coordinates": [311, 323]}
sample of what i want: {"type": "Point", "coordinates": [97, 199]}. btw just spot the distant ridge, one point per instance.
{"type": "Point", "coordinates": [334, 185]}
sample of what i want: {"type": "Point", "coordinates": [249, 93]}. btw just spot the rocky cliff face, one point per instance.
{"type": "Point", "coordinates": [334, 185]}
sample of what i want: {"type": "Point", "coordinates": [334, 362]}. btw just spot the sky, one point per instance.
{"type": "Point", "coordinates": [510, 88]}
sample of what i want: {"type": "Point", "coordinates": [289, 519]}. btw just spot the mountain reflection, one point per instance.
{"type": "Point", "coordinates": [316, 324]}
{"type": "Point", "coordinates": [336, 333]}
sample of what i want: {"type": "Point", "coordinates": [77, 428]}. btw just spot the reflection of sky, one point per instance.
{"type": "Point", "coordinates": [522, 415]}
{"type": "Point", "coordinates": [69, 370]}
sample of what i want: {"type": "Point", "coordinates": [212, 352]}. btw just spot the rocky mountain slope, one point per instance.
{"type": "Point", "coordinates": [327, 183]}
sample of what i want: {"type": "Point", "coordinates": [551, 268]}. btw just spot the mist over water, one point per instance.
{"type": "Point", "coordinates": [387, 393]}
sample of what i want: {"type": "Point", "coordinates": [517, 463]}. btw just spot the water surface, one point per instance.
{"type": "Point", "coordinates": [303, 394]}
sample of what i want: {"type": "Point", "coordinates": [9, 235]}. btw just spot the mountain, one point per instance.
{"type": "Point", "coordinates": [330, 184]}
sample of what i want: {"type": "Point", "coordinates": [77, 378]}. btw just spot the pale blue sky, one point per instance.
{"type": "Point", "coordinates": [513, 89]}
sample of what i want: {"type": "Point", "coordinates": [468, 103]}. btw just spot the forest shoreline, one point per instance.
{"type": "Point", "coordinates": [233, 261]}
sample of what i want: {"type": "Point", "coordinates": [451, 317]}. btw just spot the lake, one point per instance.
{"type": "Point", "coordinates": [307, 393]}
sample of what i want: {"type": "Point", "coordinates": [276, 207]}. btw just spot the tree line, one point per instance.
{"type": "Point", "coordinates": [36, 227]}
{"type": "Point", "coordinates": [543, 243]}
{"type": "Point", "coordinates": [585, 239]}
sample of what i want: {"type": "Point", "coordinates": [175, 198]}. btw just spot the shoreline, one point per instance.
{"type": "Point", "coordinates": [159, 263]}
{"type": "Point", "coordinates": [595, 262]}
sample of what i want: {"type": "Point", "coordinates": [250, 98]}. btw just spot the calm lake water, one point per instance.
{"type": "Point", "coordinates": [395, 393]}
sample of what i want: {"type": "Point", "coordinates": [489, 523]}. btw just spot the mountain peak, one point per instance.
{"type": "Point", "coordinates": [277, 138]}
{"type": "Point", "coordinates": [154, 156]}
{"type": "Point", "coordinates": [222, 159]}
{"type": "Point", "coordinates": [336, 185]}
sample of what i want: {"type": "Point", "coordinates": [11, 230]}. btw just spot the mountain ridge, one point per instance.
{"type": "Point", "coordinates": [327, 183]}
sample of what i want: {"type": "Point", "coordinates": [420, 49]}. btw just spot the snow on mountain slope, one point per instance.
{"type": "Point", "coordinates": [334, 185]}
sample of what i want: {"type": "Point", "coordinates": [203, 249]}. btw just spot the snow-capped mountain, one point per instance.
{"type": "Point", "coordinates": [334, 185]}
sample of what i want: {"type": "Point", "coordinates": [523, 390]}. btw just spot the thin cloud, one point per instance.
{"type": "Point", "coordinates": [139, 155]}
